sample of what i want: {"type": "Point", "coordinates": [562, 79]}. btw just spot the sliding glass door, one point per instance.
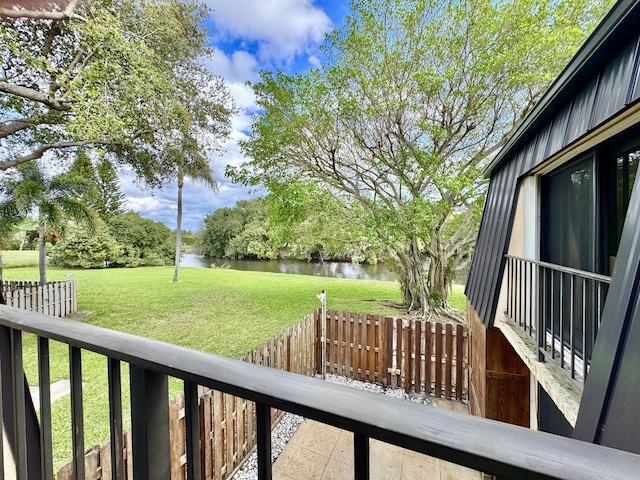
{"type": "Point", "coordinates": [568, 226]}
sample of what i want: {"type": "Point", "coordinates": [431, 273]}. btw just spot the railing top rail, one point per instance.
{"type": "Point", "coordinates": [478, 443]}
{"type": "Point", "coordinates": [560, 268]}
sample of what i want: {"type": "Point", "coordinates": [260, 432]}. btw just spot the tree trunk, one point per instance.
{"type": "Point", "coordinates": [438, 282]}
{"type": "Point", "coordinates": [425, 291]}
{"type": "Point", "coordinates": [42, 253]}
{"type": "Point", "coordinates": [178, 226]}
{"type": "Point", "coordinates": [413, 282]}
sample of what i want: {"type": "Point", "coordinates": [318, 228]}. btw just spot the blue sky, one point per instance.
{"type": "Point", "coordinates": [249, 36]}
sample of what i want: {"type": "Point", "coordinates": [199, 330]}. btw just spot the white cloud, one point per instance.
{"type": "Point", "coordinates": [243, 95]}
{"type": "Point", "coordinates": [283, 28]}
{"type": "Point", "coordinates": [314, 61]}
{"type": "Point", "coordinates": [238, 67]}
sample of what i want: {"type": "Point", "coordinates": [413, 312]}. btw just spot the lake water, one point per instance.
{"type": "Point", "coordinates": [326, 269]}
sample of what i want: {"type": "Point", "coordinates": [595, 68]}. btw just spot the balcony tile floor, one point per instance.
{"type": "Point", "coordinates": [319, 451]}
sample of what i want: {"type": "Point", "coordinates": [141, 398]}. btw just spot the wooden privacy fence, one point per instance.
{"type": "Point", "coordinates": [57, 299]}
{"type": "Point", "coordinates": [227, 422]}
{"type": "Point", "coordinates": [420, 356]}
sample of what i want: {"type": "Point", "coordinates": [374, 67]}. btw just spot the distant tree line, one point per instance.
{"type": "Point", "coordinates": [303, 224]}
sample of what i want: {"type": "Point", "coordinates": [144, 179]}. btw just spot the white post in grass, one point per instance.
{"type": "Point", "coordinates": [323, 339]}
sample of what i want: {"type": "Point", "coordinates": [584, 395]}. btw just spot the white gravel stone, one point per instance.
{"type": "Point", "coordinates": [284, 431]}
{"type": "Point", "coordinates": [280, 436]}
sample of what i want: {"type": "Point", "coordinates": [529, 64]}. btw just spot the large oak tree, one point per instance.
{"type": "Point", "coordinates": [411, 101]}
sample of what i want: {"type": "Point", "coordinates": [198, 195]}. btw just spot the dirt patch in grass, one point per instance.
{"type": "Point", "coordinates": [397, 306]}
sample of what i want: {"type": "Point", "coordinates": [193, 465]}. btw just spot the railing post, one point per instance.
{"type": "Point", "coordinates": [360, 456]}
{"type": "Point", "coordinates": [192, 427]}
{"type": "Point", "coordinates": [150, 424]}
{"type": "Point", "coordinates": [115, 419]}
{"type": "Point", "coordinates": [45, 408]}
{"type": "Point", "coordinates": [540, 330]}
{"type": "Point", "coordinates": [77, 417]}
{"type": "Point", "coordinates": [263, 418]}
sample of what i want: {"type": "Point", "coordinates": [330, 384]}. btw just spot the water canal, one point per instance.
{"type": "Point", "coordinates": [318, 269]}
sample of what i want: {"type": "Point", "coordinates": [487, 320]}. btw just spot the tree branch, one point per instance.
{"type": "Point", "coordinates": [42, 149]}
{"type": "Point", "coordinates": [66, 14]}
{"type": "Point", "coordinates": [13, 127]}
{"type": "Point", "coordinates": [31, 94]}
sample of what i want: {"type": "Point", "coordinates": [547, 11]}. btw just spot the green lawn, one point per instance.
{"type": "Point", "coordinates": [19, 258]}
{"type": "Point", "coordinates": [221, 311]}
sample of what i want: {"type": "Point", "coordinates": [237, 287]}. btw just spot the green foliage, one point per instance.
{"type": "Point", "coordinates": [86, 249]}
{"type": "Point", "coordinates": [109, 200]}
{"type": "Point", "coordinates": [411, 102]}
{"type": "Point", "coordinates": [143, 242]}
{"type": "Point", "coordinates": [188, 238]}
{"type": "Point", "coordinates": [126, 76]}
{"type": "Point", "coordinates": [56, 200]}
{"type": "Point", "coordinates": [297, 221]}
{"type": "Point", "coordinates": [82, 166]}
{"type": "Point", "coordinates": [105, 195]}
{"type": "Point", "coordinates": [237, 232]}
{"type": "Point", "coordinates": [313, 223]}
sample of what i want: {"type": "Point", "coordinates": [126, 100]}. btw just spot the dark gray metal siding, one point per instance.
{"type": "Point", "coordinates": [603, 87]}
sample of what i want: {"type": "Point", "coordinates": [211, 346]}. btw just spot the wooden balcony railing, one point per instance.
{"type": "Point", "coordinates": [564, 304]}
{"type": "Point", "coordinates": [489, 446]}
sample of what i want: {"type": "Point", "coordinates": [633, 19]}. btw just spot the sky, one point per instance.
{"type": "Point", "coordinates": [248, 36]}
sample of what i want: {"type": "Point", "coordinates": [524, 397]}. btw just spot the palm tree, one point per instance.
{"type": "Point", "coordinates": [202, 174]}
{"type": "Point", "coordinates": [55, 199]}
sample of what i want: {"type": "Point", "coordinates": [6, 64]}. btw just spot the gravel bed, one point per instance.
{"type": "Point", "coordinates": [280, 436]}
{"type": "Point", "coordinates": [284, 431]}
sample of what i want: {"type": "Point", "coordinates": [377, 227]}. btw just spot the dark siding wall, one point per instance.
{"type": "Point", "coordinates": [602, 95]}
{"type": "Point", "coordinates": [550, 418]}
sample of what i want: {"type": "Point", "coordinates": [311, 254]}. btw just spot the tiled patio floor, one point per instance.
{"type": "Point", "coordinates": [319, 451]}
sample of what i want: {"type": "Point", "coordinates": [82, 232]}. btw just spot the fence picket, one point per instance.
{"type": "Point", "coordinates": [448, 361]}
{"type": "Point", "coordinates": [105, 461]}
{"type": "Point", "coordinates": [176, 437]}
{"type": "Point", "coordinates": [240, 428]}
{"type": "Point", "coordinates": [370, 349]}
{"type": "Point", "coordinates": [229, 403]}
{"type": "Point", "coordinates": [361, 332]}
{"type": "Point", "coordinates": [206, 443]}
{"type": "Point", "coordinates": [218, 436]}
{"type": "Point", "coordinates": [389, 353]}
{"type": "Point", "coordinates": [129, 457]}
{"type": "Point", "coordinates": [438, 361]}
{"type": "Point", "coordinates": [459, 360]}
{"type": "Point", "coordinates": [417, 364]}
{"type": "Point", "coordinates": [338, 332]}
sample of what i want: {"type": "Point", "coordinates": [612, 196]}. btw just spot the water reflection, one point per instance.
{"type": "Point", "coordinates": [327, 269]}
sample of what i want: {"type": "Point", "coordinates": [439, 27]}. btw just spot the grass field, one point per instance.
{"type": "Point", "coordinates": [220, 311]}
{"type": "Point", "coordinates": [19, 258]}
